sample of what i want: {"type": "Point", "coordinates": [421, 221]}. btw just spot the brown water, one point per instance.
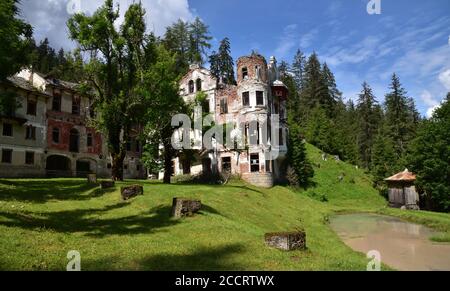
{"type": "Point", "coordinates": [402, 245]}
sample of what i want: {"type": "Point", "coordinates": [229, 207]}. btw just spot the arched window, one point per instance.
{"type": "Point", "coordinates": [191, 87]}
{"type": "Point", "coordinates": [244, 73]}
{"type": "Point", "coordinates": [55, 135]}
{"type": "Point", "coordinates": [199, 85]}
{"type": "Point", "coordinates": [74, 145]}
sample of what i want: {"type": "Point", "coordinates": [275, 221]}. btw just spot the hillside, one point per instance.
{"type": "Point", "coordinates": [41, 220]}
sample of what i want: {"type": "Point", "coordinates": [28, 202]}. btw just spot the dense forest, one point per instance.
{"type": "Point", "coordinates": [130, 69]}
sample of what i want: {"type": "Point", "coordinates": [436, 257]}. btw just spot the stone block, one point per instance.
{"type": "Point", "coordinates": [129, 192]}
{"type": "Point", "coordinates": [182, 207]}
{"type": "Point", "coordinates": [286, 241]}
{"type": "Point", "coordinates": [92, 178]}
{"type": "Point", "coordinates": [107, 184]}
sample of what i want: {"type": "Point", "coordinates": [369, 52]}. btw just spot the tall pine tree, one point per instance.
{"type": "Point", "coordinates": [401, 117]}
{"type": "Point", "coordinates": [368, 115]}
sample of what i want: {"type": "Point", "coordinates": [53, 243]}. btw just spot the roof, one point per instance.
{"type": "Point", "coordinates": [402, 176]}
{"type": "Point", "coordinates": [24, 84]}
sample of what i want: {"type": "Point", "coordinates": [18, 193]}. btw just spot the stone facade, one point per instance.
{"type": "Point", "coordinates": [250, 105]}
{"type": "Point", "coordinates": [61, 143]}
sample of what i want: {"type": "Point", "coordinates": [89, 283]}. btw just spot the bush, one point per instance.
{"type": "Point", "coordinates": [202, 178]}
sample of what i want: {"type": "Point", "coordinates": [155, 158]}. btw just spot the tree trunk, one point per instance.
{"type": "Point", "coordinates": [167, 163]}
{"type": "Point", "coordinates": [117, 166]}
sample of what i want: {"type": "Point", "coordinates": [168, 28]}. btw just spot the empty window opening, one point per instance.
{"type": "Point", "coordinates": [30, 133]}
{"type": "Point", "coordinates": [199, 85]}
{"type": "Point", "coordinates": [29, 158]}
{"type": "Point", "coordinates": [74, 144]}
{"type": "Point", "coordinates": [55, 135]}
{"type": "Point", "coordinates": [191, 87]}
{"type": "Point", "coordinates": [281, 137]}
{"type": "Point", "coordinates": [31, 107]}
{"type": "Point", "coordinates": [226, 164]}
{"type": "Point", "coordinates": [76, 105]}
{"type": "Point", "coordinates": [7, 129]}
{"type": "Point", "coordinates": [254, 163]}
{"type": "Point", "coordinates": [56, 104]}
{"type": "Point", "coordinates": [244, 73]}
{"type": "Point", "coordinates": [223, 106]}
{"type": "Point", "coordinates": [246, 99]}
{"type": "Point", "coordinates": [89, 140]}
{"type": "Point", "coordinates": [7, 156]}
{"type": "Point", "coordinates": [259, 98]}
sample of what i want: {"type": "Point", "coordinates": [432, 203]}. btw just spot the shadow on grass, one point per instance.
{"type": "Point", "coordinates": [201, 259]}
{"type": "Point", "coordinates": [91, 223]}
{"type": "Point", "coordinates": [40, 191]}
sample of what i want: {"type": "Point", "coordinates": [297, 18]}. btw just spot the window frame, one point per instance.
{"type": "Point", "coordinates": [89, 140]}
{"type": "Point", "coordinates": [11, 129]}
{"type": "Point", "coordinates": [246, 97]}
{"type": "Point", "coordinates": [191, 86]}
{"type": "Point", "coordinates": [261, 96]}
{"type": "Point", "coordinates": [254, 165]}
{"type": "Point", "coordinates": [224, 105]}
{"type": "Point", "coordinates": [56, 130]}
{"type": "Point", "coordinates": [226, 165]}
{"type": "Point", "coordinates": [10, 151]}
{"type": "Point", "coordinates": [56, 102]}
{"type": "Point", "coordinates": [33, 103]}
{"type": "Point", "coordinates": [27, 156]}
{"type": "Point", "coordinates": [32, 135]}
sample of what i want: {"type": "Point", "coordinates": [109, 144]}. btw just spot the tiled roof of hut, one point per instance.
{"type": "Point", "coordinates": [402, 176]}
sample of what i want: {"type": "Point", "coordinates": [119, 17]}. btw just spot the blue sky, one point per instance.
{"type": "Point", "coordinates": [409, 37]}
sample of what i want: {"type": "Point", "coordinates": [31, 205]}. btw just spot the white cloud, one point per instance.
{"type": "Point", "coordinates": [430, 101]}
{"type": "Point", "coordinates": [49, 17]}
{"type": "Point", "coordinates": [288, 40]}
{"type": "Point", "coordinates": [444, 77]}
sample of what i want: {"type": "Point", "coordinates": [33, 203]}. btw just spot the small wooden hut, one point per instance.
{"type": "Point", "coordinates": [402, 192]}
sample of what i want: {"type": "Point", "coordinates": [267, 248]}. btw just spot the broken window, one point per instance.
{"type": "Point", "coordinates": [226, 164]}
{"type": "Point", "coordinates": [244, 73]}
{"type": "Point", "coordinates": [109, 166]}
{"type": "Point", "coordinates": [281, 135]}
{"type": "Point", "coordinates": [74, 145]}
{"type": "Point", "coordinates": [199, 85]}
{"type": "Point", "coordinates": [31, 107]}
{"type": "Point", "coordinates": [55, 135]}
{"type": "Point", "coordinates": [254, 163]}
{"type": "Point", "coordinates": [246, 99]}
{"type": "Point", "coordinates": [7, 129]}
{"type": "Point", "coordinates": [258, 72]}
{"type": "Point", "coordinates": [259, 98]}
{"type": "Point", "coordinates": [89, 140]}
{"type": "Point", "coordinates": [128, 146]}
{"type": "Point", "coordinates": [30, 133]}
{"type": "Point", "coordinates": [191, 87]}
{"type": "Point", "coordinates": [29, 158]}
{"type": "Point", "coordinates": [76, 105]}
{"type": "Point", "coordinates": [223, 106]}
{"type": "Point", "coordinates": [56, 104]}
{"type": "Point", "coordinates": [6, 156]}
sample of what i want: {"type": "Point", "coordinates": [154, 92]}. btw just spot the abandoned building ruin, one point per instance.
{"type": "Point", "coordinates": [257, 95]}
{"type": "Point", "coordinates": [48, 135]}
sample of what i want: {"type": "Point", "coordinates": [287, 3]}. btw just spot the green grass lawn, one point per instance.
{"type": "Point", "coordinates": [41, 220]}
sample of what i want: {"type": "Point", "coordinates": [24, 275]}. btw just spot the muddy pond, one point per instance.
{"type": "Point", "coordinates": [402, 245]}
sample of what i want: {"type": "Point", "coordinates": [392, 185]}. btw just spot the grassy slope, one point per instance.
{"type": "Point", "coordinates": [40, 221]}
